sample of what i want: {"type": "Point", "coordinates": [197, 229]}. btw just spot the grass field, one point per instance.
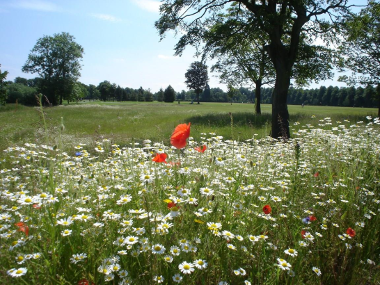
{"type": "Point", "coordinates": [128, 122]}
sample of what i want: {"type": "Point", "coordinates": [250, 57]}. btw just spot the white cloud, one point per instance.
{"type": "Point", "coordinates": [149, 5]}
{"type": "Point", "coordinates": [36, 5]}
{"type": "Point", "coordinates": [106, 17]}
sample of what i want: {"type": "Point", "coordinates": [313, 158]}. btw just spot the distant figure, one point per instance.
{"type": "Point", "coordinates": [303, 105]}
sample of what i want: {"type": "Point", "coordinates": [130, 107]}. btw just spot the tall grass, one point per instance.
{"type": "Point", "coordinates": [256, 211]}
{"type": "Point", "coordinates": [128, 122]}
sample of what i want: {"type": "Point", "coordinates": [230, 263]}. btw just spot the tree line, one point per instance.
{"type": "Point", "coordinates": [24, 90]}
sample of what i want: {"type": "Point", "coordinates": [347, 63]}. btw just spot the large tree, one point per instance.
{"type": "Point", "coordinates": [56, 59]}
{"type": "Point", "coordinates": [197, 77]}
{"type": "Point", "coordinates": [362, 48]}
{"type": "Point", "coordinates": [286, 24]}
{"type": "Point", "coordinates": [241, 58]}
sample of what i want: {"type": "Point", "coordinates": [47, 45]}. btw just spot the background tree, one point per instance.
{"type": "Point", "coordinates": [93, 92]}
{"type": "Point", "coordinates": [105, 89]}
{"type": "Point", "coordinates": [362, 48]}
{"type": "Point", "coordinates": [287, 25]}
{"type": "Point", "coordinates": [119, 93]}
{"type": "Point", "coordinates": [197, 77]}
{"type": "Point", "coordinates": [169, 94]}
{"type": "Point", "coordinates": [140, 96]}
{"type": "Point", "coordinates": [21, 80]}
{"type": "Point", "coordinates": [3, 91]}
{"type": "Point", "coordinates": [56, 59]}
{"type": "Point", "coordinates": [160, 95]}
{"type": "Point", "coordinates": [78, 92]}
{"type": "Point", "coordinates": [206, 95]}
{"type": "Point", "coordinates": [22, 94]}
{"type": "Point", "coordinates": [148, 95]}
{"type": "Point", "coordinates": [231, 92]}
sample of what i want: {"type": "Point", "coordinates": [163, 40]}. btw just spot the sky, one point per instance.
{"type": "Point", "coordinates": [119, 39]}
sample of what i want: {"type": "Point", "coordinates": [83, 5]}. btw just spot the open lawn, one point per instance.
{"type": "Point", "coordinates": [128, 122]}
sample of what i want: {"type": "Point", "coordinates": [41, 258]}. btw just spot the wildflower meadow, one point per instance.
{"type": "Point", "coordinates": [303, 210]}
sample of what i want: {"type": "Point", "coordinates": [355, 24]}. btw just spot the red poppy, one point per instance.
{"type": "Point", "coordinates": [312, 218]}
{"type": "Point", "coordinates": [351, 232]}
{"type": "Point", "coordinates": [22, 227]}
{"type": "Point", "coordinates": [160, 157]}
{"type": "Point", "coordinates": [85, 282]}
{"type": "Point", "coordinates": [303, 233]}
{"type": "Point", "coordinates": [201, 148]}
{"type": "Point", "coordinates": [316, 174]}
{"type": "Point", "coordinates": [267, 209]}
{"type": "Point", "coordinates": [173, 206]}
{"type": "Point", "coordinates": [180, 135]}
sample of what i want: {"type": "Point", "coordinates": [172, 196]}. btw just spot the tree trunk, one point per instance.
{"type": "Point", "coordinates": [258, 97]}
{"type": "Point", "coordinates": [198, 98]}
{"type": "Point", "coordinates": [280, 114]}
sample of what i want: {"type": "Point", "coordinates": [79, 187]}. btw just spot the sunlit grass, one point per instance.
{"type": "Point", "coordinates": [128, 122]}
{"type": "Point", "coordinates": [255, 211]}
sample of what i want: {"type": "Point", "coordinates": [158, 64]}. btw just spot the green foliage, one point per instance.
{"type": "Point", "coordinates": [231, 92]}
{"type": "Point", "coordinates": [197, 77]}
{"type": "Point", "coordinates": [169, 94]}
{"type": "Point", "coordinates": [361, 49]}
{"type": "Point", "coordinates": [3, 91]}
{"type": "Point", "coordinates": [22, 94]}
{"type": "Point", "coordinates": [288, 29]}
{"type": "Point", "coordinates": [21, 80]}
{"type": "Point", "coordinates": [140, 95]}
{"type": "Point", "coordinates": [148, 96]}
{"type": "Point", "coordinates": [160, 95]}
{"type": "Point", "coordinates": [105, 90]}
{"type": "Point", "coordinates": [93, 92]}
{"type": "Point", "coordinates": [56, 59]}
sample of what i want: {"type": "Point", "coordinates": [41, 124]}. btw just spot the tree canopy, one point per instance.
{"type": "Point", "coordinates": [169, 94]}
{"type": "Point", "coordinates": [197, 77]}
{"type": "Point", "coordinates": [361, 50]}
{"type": "Point", "coordinates": [287, 24]}
{"type": "Point", "coordinates": [3, 91]}
{"type": "Point", "coordinates": [56, 59]}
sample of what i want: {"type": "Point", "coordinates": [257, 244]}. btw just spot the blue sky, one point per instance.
{"type": "Point", "coordinates": [120, 42]}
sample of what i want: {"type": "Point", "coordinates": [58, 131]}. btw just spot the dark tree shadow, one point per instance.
{"type": "Point", "coordinates": [225, 119]}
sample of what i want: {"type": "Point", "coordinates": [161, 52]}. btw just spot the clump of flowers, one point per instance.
{"type": "Point", "coordinates": [222, 213]}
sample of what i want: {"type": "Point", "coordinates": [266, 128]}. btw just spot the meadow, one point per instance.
{"type": "Point", "coordinates": [128, 122]}
{"type": "Point", "coordinates": [106, 197]}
